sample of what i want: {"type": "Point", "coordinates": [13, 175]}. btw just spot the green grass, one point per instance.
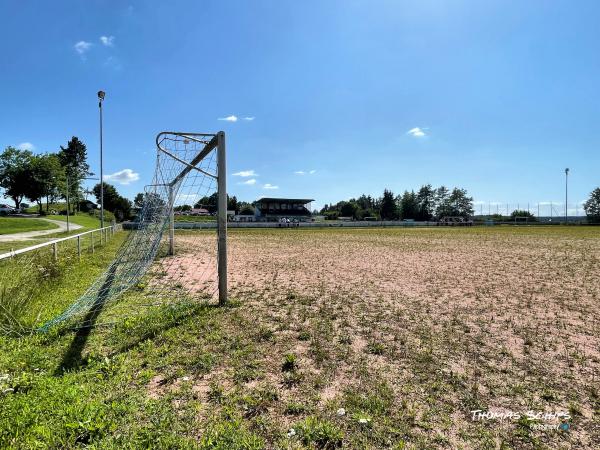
{"type": "Point", "coordinates": [84, 219]}
{"type": "Point", "coordinates": [10, 225]}
{"type": "Point", "coordinates": [87, 221]}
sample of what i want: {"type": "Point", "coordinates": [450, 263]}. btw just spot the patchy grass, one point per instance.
{"type": "Point", "coordinates": [9, 225]}
{"type": "Point", "coordinates": [333, 338]}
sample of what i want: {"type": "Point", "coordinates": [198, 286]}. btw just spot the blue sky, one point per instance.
{"type": "Point", "coordinates": [500, 96]}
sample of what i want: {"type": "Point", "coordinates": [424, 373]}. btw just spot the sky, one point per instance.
{"type": "Point", "coordinates": [323, 100]}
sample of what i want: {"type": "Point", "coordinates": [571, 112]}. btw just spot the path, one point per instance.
{"type": "Point", "coordinates": [28, 235]}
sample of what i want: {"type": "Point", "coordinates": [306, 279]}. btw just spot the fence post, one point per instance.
{"type": "Point", "coordinates": [92, 240]}
{"type": "Point", "coordinates": [55, 251]}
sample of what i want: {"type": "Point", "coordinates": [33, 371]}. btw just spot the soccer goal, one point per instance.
{"type": "Point", "coordinates": [177, 246]}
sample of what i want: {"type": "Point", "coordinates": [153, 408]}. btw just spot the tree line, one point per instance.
{"type": "Point", "coordinates": [210, 203]}
{"type": "Point", "coordinates": [51, 177]}
{"type": "Point", "coordinates": [427, 203]}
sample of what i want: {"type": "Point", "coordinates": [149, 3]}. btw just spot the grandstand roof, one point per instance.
{"type": "Point", "coordinates": [290, 200]}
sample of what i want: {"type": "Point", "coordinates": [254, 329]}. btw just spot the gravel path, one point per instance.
{"type": "Point", "coordinates": [28, 235]}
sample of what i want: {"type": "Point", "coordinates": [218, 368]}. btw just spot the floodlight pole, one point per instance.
{"type": "Point", "coordinates": [222, 217]}
{"type": "Point", "coordinates": [68, 222]}
{"type": "Point", "coordinates": [566, 194]}
{"type": "Point", "coordinates": [101, 95]}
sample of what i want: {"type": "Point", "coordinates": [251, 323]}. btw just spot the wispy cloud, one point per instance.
{"type": "Point", "coordinates": [249, 182]}
{"type": "Point", "coordinates": [302, 172]}
{"type": "Point", "coordinates": [125, 176]}
{"type": "Point", "coordinates": [82, 47]}
{"type": "Point", "coordinates": [245, 173]}
{"type": "Point", "coordinates": [417, 132]}
{"type": "Point", "coordinates": [231, 118]}
{"type": "Point", "coordinates": [270, 186]}
{"type": "Point", "coordinates": [26, 146]}
{"type": "Point", "coordinates": [249, 119]}
{"type": "Point", "coordinates": [107, 41]}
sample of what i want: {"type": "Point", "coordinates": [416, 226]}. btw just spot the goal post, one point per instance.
{"type": "Point", "coordinates": [190, 168]}
{"type": "Point", "coordinates": [217, 141]}
{"type": "Point", "coordinates": [222, 217]}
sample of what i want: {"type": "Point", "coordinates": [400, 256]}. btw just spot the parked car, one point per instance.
{"type": "Point", "coordinates": [6, 209]}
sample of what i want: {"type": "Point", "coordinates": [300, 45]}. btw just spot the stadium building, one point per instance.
{"type": "Point", "coordinates": [269, 209]}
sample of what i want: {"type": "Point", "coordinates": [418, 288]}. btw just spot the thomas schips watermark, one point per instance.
{"type": "Point", "coordinates": [536, 420]}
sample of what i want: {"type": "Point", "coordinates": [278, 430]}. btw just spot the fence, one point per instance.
{"type": "Point", "coordinates": [104, 234]}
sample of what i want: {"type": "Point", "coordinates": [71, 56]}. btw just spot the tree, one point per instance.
{"type": "Point", "coordinates": [232, 204]}
{"type": "Point", "coordinates": [592, 206]}
{"type": "Point", "coordinates": [349, 209]}
{"type": "Point", "coordinates": [522, 214]}
{"type": "Point", "coordinates": [247, 209]}
{"type": "Point", "coordinates": [74, 159]}
{"type": "Point", "coordinates": [14, 173]}
{"type": "Point", "coordinates": [138, 201]}
{"type": "Point", "coordinates": [388, 207]}
{"type": "Point", "coordinates": [209, 203]}
{"type": "Point", "coordinates": [426, 202]}
{"type": "Point", "coordinates": [118, 205]}
{"type": "Point", "coordinates": [460, 203]}
{"type": "Point", "coordinates": [442, 203]}
{"type": "Point", "coordinates": [46, 178]}
{"type": "Point", "coordinates": [409, 206]}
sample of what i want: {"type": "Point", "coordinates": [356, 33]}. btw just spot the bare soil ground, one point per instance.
{"type": "Point", "coordinates": [411, 330]}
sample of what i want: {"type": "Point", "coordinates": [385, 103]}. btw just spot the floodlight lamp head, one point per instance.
{"type": "Point", "coordinates": [567, 171]}
{"type": "Point", "coordinates": [101, 95]}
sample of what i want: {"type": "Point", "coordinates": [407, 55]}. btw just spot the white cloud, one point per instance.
{"type": "Point", "coordinates": [249, 119]}
{"type": "Point", "coordinates": [107, 41]}
{"type": "Point", "coordinates": [245, 173]}
{"type": "Point", "coordinates": [125, 176]}
{"type": "Point", "coordinates": [250, 182]}
{"type": "Point", "coordinates": [82, 46]}
{"type": "Point", "coordinates": [312, 172]}
{"type": "Point", "coordinates": [300, 172]}
{"type": "Point", "coordinates": [26, 146]}
{"type": "Point", "coordinates": [231, 118]}
{"type": "Point", "coordinates": [417, 132]}
{"type": "Point", "coordinates": [270, 186]}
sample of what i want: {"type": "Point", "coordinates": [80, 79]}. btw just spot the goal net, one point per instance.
{"type": "Point", "coordinates": [176, 248]}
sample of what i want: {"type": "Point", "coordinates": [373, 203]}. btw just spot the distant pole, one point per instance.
{"type": "Point", "coordinates": [538, 210]}
{"type": "Point", "coordinates": [566, 194]}
{"type": "Point", "coordinates": [101, 95]}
